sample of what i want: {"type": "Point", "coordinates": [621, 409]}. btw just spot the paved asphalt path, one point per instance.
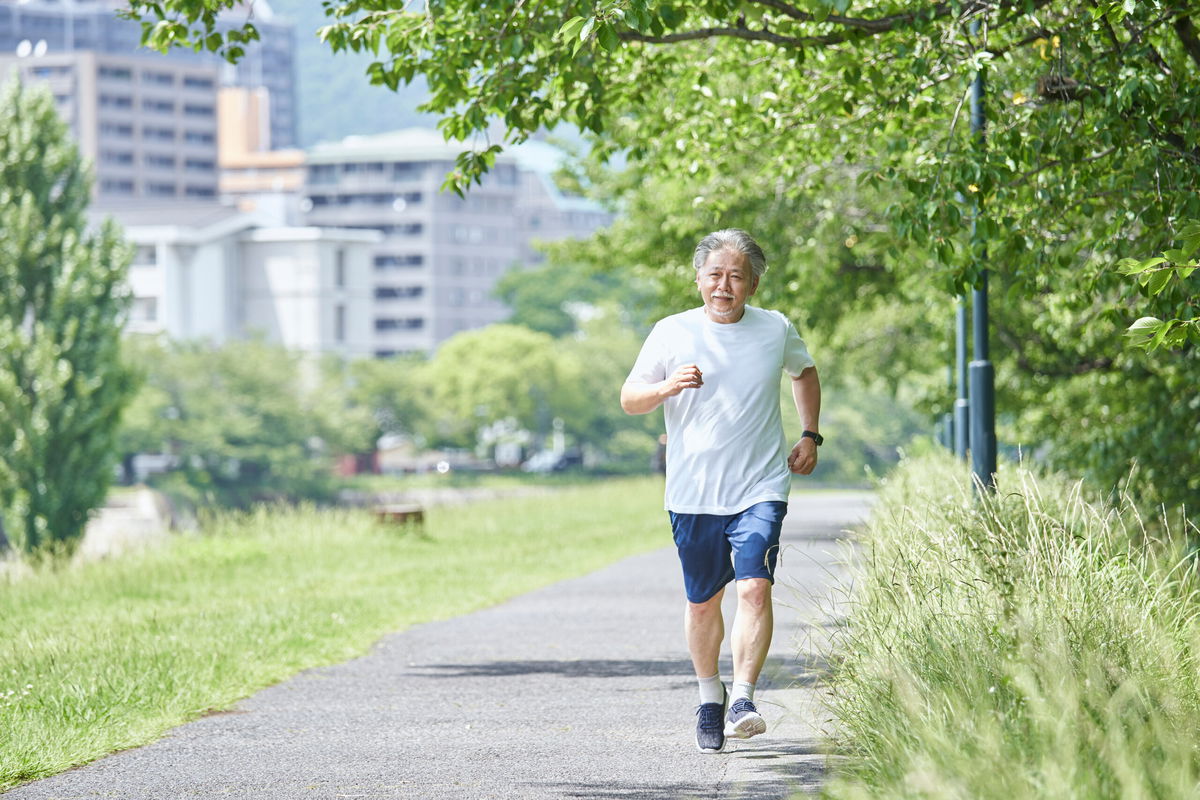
{"type": "Point", "coordinates": [579, 690]}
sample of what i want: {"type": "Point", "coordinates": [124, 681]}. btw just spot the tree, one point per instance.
{"type": "Point", "coordinates": [555, 296]}
{"type": "Point", "coordinates": [247, 421]}
{"type": "Point", "coordinates": [62, 308]}
{"type": "Point", "coordinates": [488, 375]}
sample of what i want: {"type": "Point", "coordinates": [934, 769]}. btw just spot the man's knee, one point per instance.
{"type": "Point", "coordinates": [754, 593]}
{"type": "Point", "coordinates": [707, 609]}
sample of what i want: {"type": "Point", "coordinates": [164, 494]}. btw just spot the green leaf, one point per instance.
{"type": "Point", "coordinates": [1142, 331]}
{"type": "Point", "coordinates": [608, 38]}
{"type": "Point", "coordinates": [1158, 282]}
{"type": "Point", "coordinates": [570, 28]}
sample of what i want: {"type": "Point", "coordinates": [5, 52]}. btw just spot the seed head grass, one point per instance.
{"type": "Point", "coordinates": [1032, 644]}
{"type": "Point", "coordinates": [104, 656]}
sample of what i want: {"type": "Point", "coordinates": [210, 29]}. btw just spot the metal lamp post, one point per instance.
{"type": "Point", "coordinates": [982, 374]}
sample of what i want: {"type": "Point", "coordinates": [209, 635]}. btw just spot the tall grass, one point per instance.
{"type": "Point", "coordinates": [109, 655]}
{"type": "Point", "coordinates": [1034, 646]}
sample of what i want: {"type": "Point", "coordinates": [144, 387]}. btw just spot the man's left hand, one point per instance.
{"type": "Point", "coordinates": [804, 457]}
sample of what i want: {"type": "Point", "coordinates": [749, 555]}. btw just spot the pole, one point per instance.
{"type": "Point", "coordinates": [982, 375]}
{"type": "Point", "coordinates": [962, 410]}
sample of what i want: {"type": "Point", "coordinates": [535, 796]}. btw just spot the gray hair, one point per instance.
{"type": "Point", "coordinates": [734, 239]}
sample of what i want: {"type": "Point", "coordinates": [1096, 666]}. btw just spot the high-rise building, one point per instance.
{"type": "Point", "coordinates": [441, 255]}
{"type": "Point", "coordinates": [56, 27]}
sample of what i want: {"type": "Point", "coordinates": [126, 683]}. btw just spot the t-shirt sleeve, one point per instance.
{"type": "Point", "coordinates": [795, 353]}
{"type": "Point", "coordinates": [651, 364]}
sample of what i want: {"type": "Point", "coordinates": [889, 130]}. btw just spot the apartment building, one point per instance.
{"type": "Point", "coordinates": [148, 125]}
{"type": "Point", "coordinates": [57, 27]}
{"type": "Point", "coordinates": [436, 267]}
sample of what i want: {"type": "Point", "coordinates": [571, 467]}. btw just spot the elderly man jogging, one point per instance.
{"type": "Point", "coordinates": [715, 370]}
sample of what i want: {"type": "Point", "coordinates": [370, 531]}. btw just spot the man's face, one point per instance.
{"type": "Point", "coordinates": [726, 282]}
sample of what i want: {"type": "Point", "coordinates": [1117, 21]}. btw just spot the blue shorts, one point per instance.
{"type": "Point", "coordinates": [706, 542]}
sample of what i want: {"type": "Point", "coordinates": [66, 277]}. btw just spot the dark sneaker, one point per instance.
{"type": "Point", "coordinates": [744, 720]}
{"type": "Point", "coordinates": [710, 726]}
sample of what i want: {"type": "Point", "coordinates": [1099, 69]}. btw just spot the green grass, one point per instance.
{"type": "Point", "coordinates": [1039, 646]}
{"type": "Point", "coordinates": [110, 655]}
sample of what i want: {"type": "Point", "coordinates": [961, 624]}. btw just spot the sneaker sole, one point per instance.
{"type": "Point", "coordinates": [747, 726]}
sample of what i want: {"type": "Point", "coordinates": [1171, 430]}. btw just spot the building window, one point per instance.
{"type": "Point", "coordinates": [322, 173]}
{"type": "Point", "coordinates": [158, 78]}
{"type": "Point", "coordinates": [118, 157]}
{"type": "Point", "coordinates": [198, 137]}
{"type": "Point", "coordinates": [159, 189]}
{"type": "Point", "coordinates": [339, 323]}
{"type": "Point", "coordinates": [200, 191]}
{"type": "Point", "coordinates": [399, 323]}
{"type": "Point", "coordinates": [398, 292]}
{"type": "Point", "coordinates": [199, 164]}
{"type": "Point", "coordinates": [399, 261]}
{"type": "Point", "coordinates": [116, 131]}
{"type": "Point", "coordinates": [53, 71]}
{"type": "Point", "coordinates": [197, 109]}
{"type": "Point", "coordinates": [116, 101]}
{"type": "Point", "coordinates": [144, 309]}
{"type": "Point", "coordinates": [116, 73]}
{"type": "Point", "coordinates": [146, 255]}
{"type": "Point", "coordinates": [158, 106]}
{"type": "Point", "coordinates": [195, 82]}
{"type": "Point", "coordinates": [157, 134]}
{"type": "Point", "coordinates": [159, 161]}
{"type": "Point", "coordinates": [110, 186]}
{"type": "Point", "coordinates": [339, 269]}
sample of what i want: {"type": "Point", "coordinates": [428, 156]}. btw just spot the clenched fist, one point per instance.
{"type": "Point", "coordinates": [686, 377]}
{"type": "Point", "coordinates": [803, 457]}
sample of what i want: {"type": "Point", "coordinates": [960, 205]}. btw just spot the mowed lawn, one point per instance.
{"type": "Point", "coordinates": [110, 655]}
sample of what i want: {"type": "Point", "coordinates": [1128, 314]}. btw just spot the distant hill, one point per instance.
{"type": "Point", "coordinates": [333, 95]}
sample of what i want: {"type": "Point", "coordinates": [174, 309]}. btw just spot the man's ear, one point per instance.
{"type": "Point", "coordinates": [753, 286]}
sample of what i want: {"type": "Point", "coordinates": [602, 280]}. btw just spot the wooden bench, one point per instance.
{"type": "Point", "coordinates": [401, 514]}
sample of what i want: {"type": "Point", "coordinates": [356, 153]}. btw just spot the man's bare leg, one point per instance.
{"type": "Point", "coordinates": [752, 629]}
{"type": "Point", "coordinates": [705, 630]}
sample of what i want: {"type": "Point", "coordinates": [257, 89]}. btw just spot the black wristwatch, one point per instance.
{"type": "Point", "coordinates": [816, 437]}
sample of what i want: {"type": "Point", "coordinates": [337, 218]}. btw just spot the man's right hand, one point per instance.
{"type": "Point", "coordinates": [642, 398]}
{"type": "Point", "coordinates": [686, 377]}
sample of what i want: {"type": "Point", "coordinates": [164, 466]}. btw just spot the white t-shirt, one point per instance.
{"type": "Point", "coordinates": [725, 446]}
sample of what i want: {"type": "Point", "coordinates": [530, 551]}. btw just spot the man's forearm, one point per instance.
{"type": "Point", "coordinates": [806, 393]}
{"type": "Point", "coordinates": [641, 398]}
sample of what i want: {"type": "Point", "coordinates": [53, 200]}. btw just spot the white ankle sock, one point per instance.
{"type": "Point", "coordinates": [711, 689]}
{"type": "Point", "coordinates": [742, 689]}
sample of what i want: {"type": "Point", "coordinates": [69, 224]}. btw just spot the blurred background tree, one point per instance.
{"type": "Point", "coordinates": [63, 303]}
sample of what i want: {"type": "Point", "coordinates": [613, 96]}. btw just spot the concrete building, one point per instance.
{"type": "Point", "coordinates": [57, 27]}
{"type": "Point", "coordinates": [441, 255]}
{"type": "Point", "coordinates": [206, 271]}
{"type": "Point", "coordinates": [252, 175]}
{"type": "Point", "coordinates": [148, 125]}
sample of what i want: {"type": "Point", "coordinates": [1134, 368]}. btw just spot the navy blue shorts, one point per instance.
{"type": "Point", "coordinates": [706, 542]}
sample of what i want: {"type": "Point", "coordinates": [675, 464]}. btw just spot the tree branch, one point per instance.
{"type": "Point", "coordinates": [1187, 35]}
{"type": "Point", "coordinates": [1024, 177]}
{"type": "Point", "coordinates": [760, 35]}
{"type": "Point", "coordinates": [880, 25]}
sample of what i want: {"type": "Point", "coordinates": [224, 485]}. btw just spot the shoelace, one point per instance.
{"type": "Point", "coordinates": [743, 704]}
{"type": "Point", "coordinates": [710, 715]}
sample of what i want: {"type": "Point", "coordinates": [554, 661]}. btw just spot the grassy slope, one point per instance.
{"type": "Point", "coordinates": [1039, 647]}
{"type": "Point", "coordinates": [111, 655]}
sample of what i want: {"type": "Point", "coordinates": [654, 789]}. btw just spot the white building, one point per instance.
{"type": "Point", "coordinates": [211, 272]}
